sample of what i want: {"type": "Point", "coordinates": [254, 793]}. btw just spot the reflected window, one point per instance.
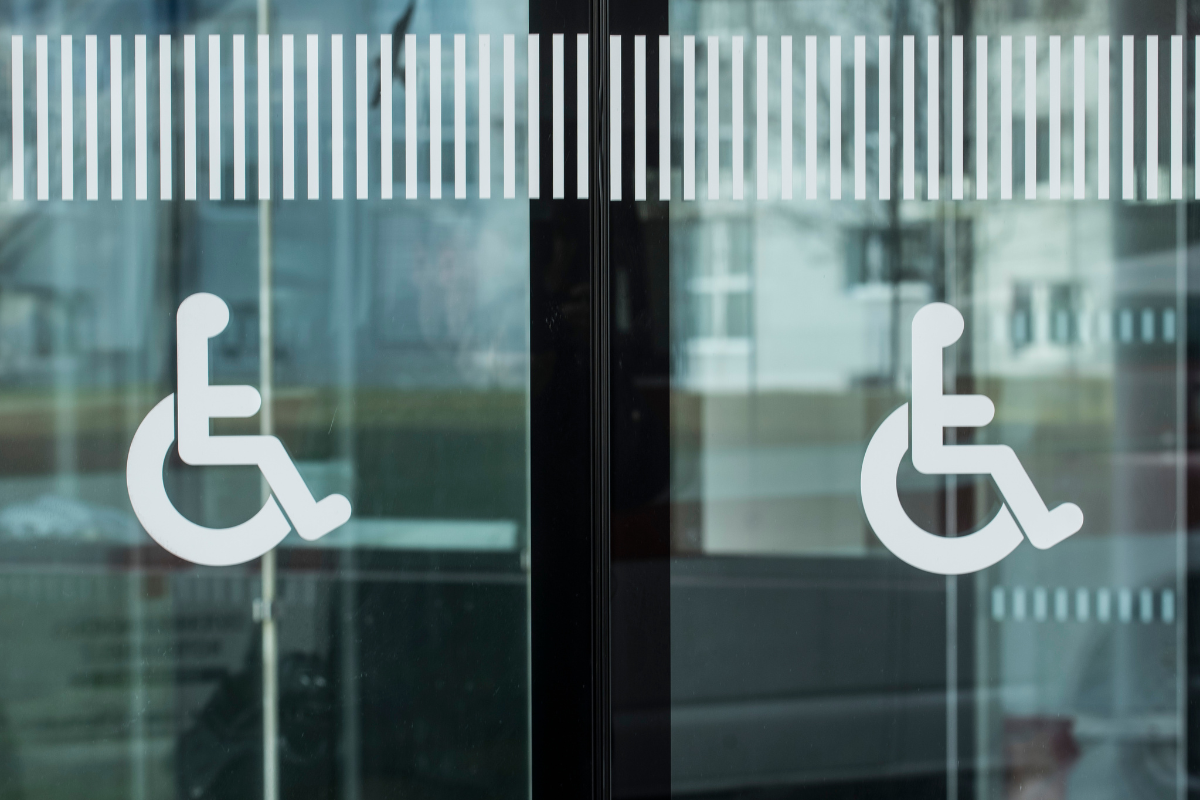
{"type": "Point", "coordinates": [1021, 316]}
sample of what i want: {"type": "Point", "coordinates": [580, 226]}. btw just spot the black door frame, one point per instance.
{"type": "Point", "coordinates": [568, 434]}
{"type": "Point", "coordinates": [600, 520]}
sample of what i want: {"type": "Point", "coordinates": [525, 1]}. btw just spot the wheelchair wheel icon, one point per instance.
{"type": "Point", "coordinates": [212, 547]}
{"type": "Point", "coordinates": [911, 543]}
{"type": "Point", "coordinates": [201, 317]}
{"type": "Point", "coordinates": [935, 327]}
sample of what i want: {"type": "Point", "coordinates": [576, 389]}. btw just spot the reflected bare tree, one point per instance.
{"type": "Point", "coordinates": [396, 65]}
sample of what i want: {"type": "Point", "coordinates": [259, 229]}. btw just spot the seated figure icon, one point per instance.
{"type": "Point", "coordinates": [201, 317]}
{"type": "Point", "coordinates": [935, 327]}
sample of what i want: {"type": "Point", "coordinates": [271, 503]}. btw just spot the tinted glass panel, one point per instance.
{"type": "Point", "coordinates": [265, 156]}
{"type": "Point", "coordinates": [834, 170]}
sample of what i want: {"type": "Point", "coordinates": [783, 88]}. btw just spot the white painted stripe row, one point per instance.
{"type": "Point", "coordinates": [262, 87]}
{"type": "Point", "coordinates": [725, 181]}
{"type": "Point", "coordinates": [1060, 604]}
{"type": "Point", "coordinates": [773, 168]}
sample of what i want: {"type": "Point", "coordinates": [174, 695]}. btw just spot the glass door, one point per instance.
{"type": "Point", "coordinates": [351, 184]}
{"type": "Point", "coordinates": [901, 398]}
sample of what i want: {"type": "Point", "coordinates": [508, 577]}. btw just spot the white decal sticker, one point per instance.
{"type": "Point", "coordinates": [947, 141]}
{"type": "Point", "coordinates": [201, 317]}
{"type": "Point", "coordinates": [934, 328]}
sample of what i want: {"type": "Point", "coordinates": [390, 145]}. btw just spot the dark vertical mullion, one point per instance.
{"type": "Point", "coordinates": [639, 416]}
{"type": "Point", "coordinates": [1189, 311]}
{"type": "Point", "coordinates": [598, 174]}
{"type": "Point", "coordinates": [568, 503]}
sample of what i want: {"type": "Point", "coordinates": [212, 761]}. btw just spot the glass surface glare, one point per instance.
{"type": "Point", "coordinates": [806, 659]}
{"type": "Point", "coordinates": [399, 351]}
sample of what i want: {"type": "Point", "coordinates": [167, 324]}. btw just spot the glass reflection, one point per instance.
{"type": "Point", "coordinates": [805, 657]}
{"type": "Point", "coordinates": [399, 339]}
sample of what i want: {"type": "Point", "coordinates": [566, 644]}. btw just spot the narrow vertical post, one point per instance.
{"type": "Point", "coordinates": [270, 642]}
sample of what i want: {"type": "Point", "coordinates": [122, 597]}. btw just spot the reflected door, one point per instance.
{"type": "Point", "coordinates": [792, 183]}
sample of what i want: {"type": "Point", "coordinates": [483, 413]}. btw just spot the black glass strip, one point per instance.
{"type": "Point", "coordinates": [566, 574]}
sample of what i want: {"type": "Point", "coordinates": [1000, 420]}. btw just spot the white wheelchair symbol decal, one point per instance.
{"type": "Point", "coordinates": [934, 328]}
{"type": "Point", "coordinates": [201, 317]}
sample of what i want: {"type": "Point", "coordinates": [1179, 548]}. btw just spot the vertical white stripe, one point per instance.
{"type": "Point", "coordinates": [312, 111]}
{"type": "Point", "coordinates": [116, 133]}
{"type": "Point", "coordinates": [810, 117]}
{"type": "Point", "coordinates": [510, 116]}
{"type": "Point", "coordinates": [92, 108]}
{"type": "Point", "coordinates": [760, 178]}
{"type": "Point", "coordinates": [885, 118]}
{"type": "Point", "coordinates": [214, 117]}
{"type": "Point", "coordinates": [189, 118]}
{"type": "Point", "coordinates": [42, 46]}
{"type": "Point", "coordinates": [361, 153]}
{"type": "Point", "coordinates": [614, 71]}
{"type": "Point", "coordinates": [337, 127]}
{"type": "Point", "coordinates": [933, 123]}
{"type": "Point", "coordinates": [1006, 118]}
{"type": "Point", "coordinates": [835, 117]}
{"type": "Point", "coordinates": [239, 117]}
{"type": "Point", "coordinates": [956, 118]}
{"type": "Point", "coordinates": [264, 117]}
{"type": "Point", "coordinates": [1030, 117]}
{"type": "Point", "coordinates": [1177, 117]}
{"type": "Point", "coordinates": [411, 179]}
{"type": "Point", "coordinates": [860, 118]}
{"type": "Point", "coordinates": [289, 117]}
{"type": "Point", "coordinates": [1128, 176]}
{"type": "Point", "coordinates": [738, 117]}
{"type": "Point", "coordinates": [664, 117]}
{"type": "Point", "coordinates": [67, 120]}
{"type": "Point", "coordinates": [1151, 117]}
{"type": "Point", "coordinates": [713, 63]}
{"type": "Point", "coordinates": [1079, 132]}
{"type": "Point", "coordinates": [386, 78]}
{"type": "Point", "coordinates": [139, 117]}
{"type": "Point", "coordinates": [909, 124]}
{"type": "Point", "coordinates": [460, 116]}
{"type": "Point", "coordinates": [18, 117]}
{"type": "Point", "coordinates": [786, 129]}
{"type": "Point", "coordinates": [1102, 117]}
{"type": "Point", "coordinates": [689, 117]}
{"type": "Point", "coordinates": [534, 115]}
{"type": "Point", "coordinates": [581, 114]}
{"type": "Point", "coordinates": [435, 116]}
{"type": "Point", "coordinates": [485, 116]}
{"type": "Point", "coordinates": [981, 118]}
{"type": "Point", "coordinates": [557, 131]}
{"type": "Point", "coordinates": [639, 117]}
{"type": "Point", "coordinates": [1055, 188]}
